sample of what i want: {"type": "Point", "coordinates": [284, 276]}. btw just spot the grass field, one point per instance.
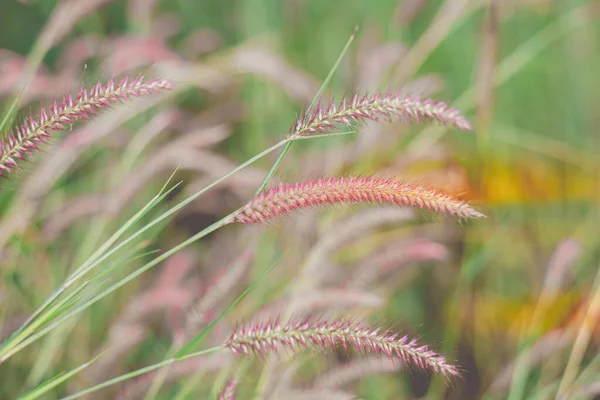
{"type": "Point", "coordinates": [123, 275]}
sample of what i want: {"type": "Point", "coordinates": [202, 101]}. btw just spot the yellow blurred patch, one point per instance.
{"type": "Point", "coordinates": [534, 182]}
{"type": "Point", "coordinates": [514, 317]}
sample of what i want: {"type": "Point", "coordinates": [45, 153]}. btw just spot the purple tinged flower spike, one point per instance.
{"type": "Point", "coordinates": [27, 138]}
{"type": "Point", "coordinates": [272, 336]}
{"type": "Point", "coordinates": [228, 392]}
{"type": "Point", "coordinates": [287, 198]}
{"type": "Point", "coordinates": [341, 375]}
{"type": "Point", "coordinates": [323, 118]}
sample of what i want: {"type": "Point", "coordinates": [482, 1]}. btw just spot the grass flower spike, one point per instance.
{"type": "Point", "coordinates": [228, 392]}
{"type": "Point", "coordinates": [323, 118]}
{"type": "Point", "coordinates": [287, 198]}
{"type": "Point", "coordinates": [271, 336]}
{"type": "Point", "coordinates": [19, 144]}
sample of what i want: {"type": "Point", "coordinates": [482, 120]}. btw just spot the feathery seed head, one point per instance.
{"type": "Point", "coordinates": [272, 336]}
{"type": "Point", "coordinates": [26, 139]}
{"type": "Point", "coordinates": [228, 392]}
{"type": "Point", "coordinates": [286, 198]}
{"type": "Point", "coordinates": [344, 374]}
{"type": "Point", "coordinates": [323, 118]}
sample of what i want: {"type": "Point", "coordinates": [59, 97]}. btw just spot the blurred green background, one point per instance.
{"type": "Point", "coordinates": [525, 72]}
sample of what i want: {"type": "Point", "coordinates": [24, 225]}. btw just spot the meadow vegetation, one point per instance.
{"type": "Point", "coordinates": [303, 199]}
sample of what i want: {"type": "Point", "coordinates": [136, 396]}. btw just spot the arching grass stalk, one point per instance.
{"type": "Point", "coordinates": [57, 380]}
{"type": "Point", "coordinates": [317, 121]}
{"type": "Point", "coordinates": [181, 355]}
{"type": "Point", "coordinates": [28, 332]}
{"type": "Point", "coordinates": [319, 336]}
{"type": "Point", "coordinates": [141, 371]}
{"type": "Point", "coordinates": [26, 139]}
{"type": "Point", "coordinates": [39, 317]}
{"type": "Point", "coordinates": [284, 199]}
{"type": "Point", "coordinates": [288, 145]}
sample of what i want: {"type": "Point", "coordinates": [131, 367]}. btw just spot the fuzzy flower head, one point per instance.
{"type": "Point", "coordinates": [406, 107]}
{"type": "Point", "coordinates": [271, 336]}
{"type": "Point", "coordinates": [287, 198]}
{"type": "Point", "coordinates": [26, 139]}
{"type": "Point", "coordinates": [228, 392]}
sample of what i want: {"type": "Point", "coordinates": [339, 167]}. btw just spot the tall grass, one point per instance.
{"type": "Point", "coordinates": [115, 283]}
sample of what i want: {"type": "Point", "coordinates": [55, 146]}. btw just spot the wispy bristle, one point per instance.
{"type": "Point", "coordinates": [323, 118]}
{"type": "Point", "coordinates": [218, 289]}
{"type": "Point", "coordinates": [271, 336]}
{"type": "Point", "coordinates": [395, 256]}
{"type": "Point", "coordinates": [25, 140]}
{"type": "Point", "coordinates": [287, 198]}
{"type": "Point", "coordinates": [228, 392]}
{"type": "Point", "coordinates": [342, 375]}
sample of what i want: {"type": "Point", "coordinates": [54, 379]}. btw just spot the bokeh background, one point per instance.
{"type": "Point", "coordinates": [511, 290]}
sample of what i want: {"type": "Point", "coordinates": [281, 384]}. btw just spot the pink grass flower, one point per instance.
{"type": "Point", "coordinates": [219, 288]}
{"type": "Point", "coordinates": [272, 336]}
{"type": "Point", "coordinates": [323, 118]}
{"type": "Point", "coordinates": [228, 392]}
{"type": "Point", "coordinates": [27, 138]}
{"type": "Point", "coordinates": [342, 375]}
{"type": "Point", "coordinates": [287, 198]}
{"type": "Point", "coordinates": [395, 256]}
